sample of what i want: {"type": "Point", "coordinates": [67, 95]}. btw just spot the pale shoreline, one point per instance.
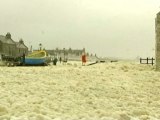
{"type": "Point", "coordinates": [108, 91]}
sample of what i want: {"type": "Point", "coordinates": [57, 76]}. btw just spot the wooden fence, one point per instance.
{"type": "Point", "coordinates": [147, 61]}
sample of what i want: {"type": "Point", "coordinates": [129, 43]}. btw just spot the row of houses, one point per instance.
{"type": "Point", "coordinates": [66, 52]}
{"type": "Point", "coordinates": [12, 48]}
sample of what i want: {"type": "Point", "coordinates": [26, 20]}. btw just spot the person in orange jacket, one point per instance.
{"type": "Point", "coordinates": [84, 60]}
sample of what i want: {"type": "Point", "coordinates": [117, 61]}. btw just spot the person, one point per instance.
{"type": "Point", "coordinates": [55, 61]}
{"type": "Point", "coordinates": [84, 59]}
{"type": "Point", "coordinates": [23, 59]}
{"type": "Point", "coordinates": [60, 59]}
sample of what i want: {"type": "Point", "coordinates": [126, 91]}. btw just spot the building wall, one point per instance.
{"type": "Point", "coordinates": [20, 51]}
{"type": "Point", "coordinates": [12, 50]}
{"type": "Point", "coordinates": [157, 50]}
{"type": "Point", "coordinates": [66, 52]}
{"type": "Point", "coordinates": [9, 49]}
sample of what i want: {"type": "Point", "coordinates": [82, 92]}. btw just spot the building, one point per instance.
{"type": "Point", "coordinates": [157, 50]}
{"type": "Point", "coordinates": [67, 53]}
{"type": "Point", "coordinates": [9, 47]}
{"type": "Point", "coordinates": [62, 52]}
{"type": "Point", "coordinates": [21, 48]}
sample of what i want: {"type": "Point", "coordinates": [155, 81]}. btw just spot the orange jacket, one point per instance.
{"type": "Point", "coordinates": [84, 58]}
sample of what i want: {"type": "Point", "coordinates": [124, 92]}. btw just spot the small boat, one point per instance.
{"type": "Point", "coordinates": [37, 58]}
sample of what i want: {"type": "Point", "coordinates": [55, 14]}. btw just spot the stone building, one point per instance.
{"type": "Point", "coordinates": [21, 48]}
{"type": "Point", "coordinates": [157, 47]}
{"type": "Point", "coordinates": [9, 47]}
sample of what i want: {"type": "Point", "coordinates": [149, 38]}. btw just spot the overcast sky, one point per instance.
{"type": "Point", "coordinates": [111, 28]}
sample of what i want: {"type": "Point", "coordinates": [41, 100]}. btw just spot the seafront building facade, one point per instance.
{"type": "Point", "coordinates": [61, 52]}
{"type": "Point", "coordinates": [11, 48]}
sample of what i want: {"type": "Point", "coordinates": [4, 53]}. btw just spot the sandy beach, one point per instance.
{"type": "Point", "coordinates": [104, 91]}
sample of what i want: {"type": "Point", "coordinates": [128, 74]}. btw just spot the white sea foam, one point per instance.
{"type": "Point", "coordinates": [104, 91]}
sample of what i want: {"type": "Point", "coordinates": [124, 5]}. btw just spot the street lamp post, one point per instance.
{"type": "Point", "coordinates": [40, 46]}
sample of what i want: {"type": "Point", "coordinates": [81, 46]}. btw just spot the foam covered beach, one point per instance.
{"type": "Point", "coordinates": [106, 91]}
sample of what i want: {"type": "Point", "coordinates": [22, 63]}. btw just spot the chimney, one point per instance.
{"type": "Point", "coordinates": [21, 41]}
{"type": "Point", "coordinates": [8, 36]}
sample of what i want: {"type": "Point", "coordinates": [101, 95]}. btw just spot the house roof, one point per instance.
{"type": "Point", "coordinates": [3, 39]}
{"type": "Point", "coordinates": [20, 45]}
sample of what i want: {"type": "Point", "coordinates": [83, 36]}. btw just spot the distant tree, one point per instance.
{"type": "Point", "coordinates": [57, 49]}
{"type": "Point", "coordinates": [84, 50]}
{"type": "Point", "coordinates": [64, 52]}
{"type": "Point", "coordinates": [70, 50]}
